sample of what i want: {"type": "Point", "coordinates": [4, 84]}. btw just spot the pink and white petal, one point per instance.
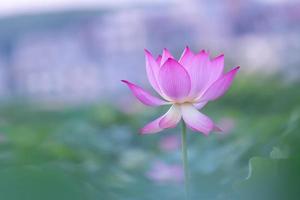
{"type": "Point", "coordinates": [197, 68]}
{"type": "Point", "coordinates": [152, 69]}
{"type": "Point", "coordinates": [174, 80]}
{"type": "Point", "coordinates": [213, 71]}
{"type": "Point", "coordinates": [158, 60]}
{"type": "Point", "coordinates": [200, 104]}
{"type": "Point", "coordinates": [165, 56]}
{"type": "Point", "coordinates": [187, 57]}
{"type": "Point", "coordinates": [196, 120]}
{"type": "Point", "coordinates": [145, 97]}
{"type": "Point", "coordinates": [152, 127]}
{"type": "Point", "coordinates": [171, 118]}
{"type": "Point", "coordinates": [219, 87]}
{"type": "Point", "coordinates": [216, 68]}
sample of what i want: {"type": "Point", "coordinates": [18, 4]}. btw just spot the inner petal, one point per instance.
{"type": "Point", "coordinates": [174, 81]}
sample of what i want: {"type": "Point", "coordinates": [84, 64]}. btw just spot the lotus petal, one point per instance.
{"type": "Point", "coordinates": [171, 118]}
{"type": "Point", "coordinates": [196, 120]}
{"type": "Point", "coordinates": [219, 87]}
{"type": "Point", "coordinates": [144, 96]}
{"type": "Point", "coordinates": [174, 80]}
{"type": "Point", "coordinates": [165, 56]}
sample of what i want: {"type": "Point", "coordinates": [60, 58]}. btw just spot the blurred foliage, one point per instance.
{"type": "Point", "coordinates": [14, 26]}
{"type": "Point", "coordinates": [95, 152]}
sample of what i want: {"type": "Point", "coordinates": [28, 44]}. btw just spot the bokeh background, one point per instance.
{"type": "Point", "coordinates": [69, 127]}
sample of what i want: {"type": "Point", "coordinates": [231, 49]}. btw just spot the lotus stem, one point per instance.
{"type": "Point", "coordinates": [185, 160]}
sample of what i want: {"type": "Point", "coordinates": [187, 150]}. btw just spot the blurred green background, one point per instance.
{"type": "Point", "coordinates": [69, 127]}
{"type": "Point", "coordinates": [95, 152]}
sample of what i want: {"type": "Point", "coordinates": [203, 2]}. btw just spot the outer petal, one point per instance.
{"type": "Point", "coordinates": [215, 70]}
{"type": "Point", "coordinates": [171, 118]}
{"type": "Point", "coordinates": [165, 56]}
{"type": "Point", "coordinates": [174, 80]}
{"type": "Point", "coordinates": [198, 68]}
{"type": "Point", "coordinates": [158, 59]}
{"type": "Point", "coordinates": [168, 120]}
{"type": "Point", "coordinates": [145, 97]}
{"type": "Point", "coordinates": [152, 68]}
{"type": "Point", "coordinates": [219, 87]}
{"type": "Point", "coordinates": [152, 127]}
{"type": "Point", "coordinates": [187, 57]}
{"type": "Point", "coordinates": [202, 71]}
{"type": "Point", "coordinates": [196, 120]}
{"type": "Point", "coordinates": [200, 104]}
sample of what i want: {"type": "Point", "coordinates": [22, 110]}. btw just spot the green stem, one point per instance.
{"type": "Point", "coordinates": [185, 160]}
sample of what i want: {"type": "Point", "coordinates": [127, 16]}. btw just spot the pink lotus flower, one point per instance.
{"type": "Point", "coordinates": [188, 85]}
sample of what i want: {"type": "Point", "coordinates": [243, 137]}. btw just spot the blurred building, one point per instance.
{"type": "Point", "coordinates": [83, 55]}
{"type": "Point", "coordinates": [54, 66]}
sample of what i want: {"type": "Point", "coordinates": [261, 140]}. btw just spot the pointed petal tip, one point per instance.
{"type": "Point", "coordinates": [127, 83]}
{"type": "Point", "coordinates": [150, 128]}
{"type": "Point", "coordinates": [165, 55]}
{"type": "Point", "coordinates": [187, 57]}
{"type": "Point", "coordinates": [218, 62]}
{"type": "Point", "coordinates": [147, 52]}
{"type": "Point", "coordinates": [187, 48]}
{"type": "Point", "coordinates": [206, 133]}
{"type": "Point", "coordinates": [219, 56]}
{"type": "Point", "coordinates": [203, 53]}
{"type": "Point", "coordinates": [144, 96]}
{"type": "Point", "coordinates": [187, 51]}
{"type": "Point", "coordinates": [170, 61]}
{"type": "Point", "coordinates": [166, 51]}
{"type": "Point", "coordinates": [142, 131]}
{"type": "Point", "coordinates": [158, 60]}
{"type": "Point", "coordinates": [217, 129]}
{"type": "Point", "coordinates": [234, 70]}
